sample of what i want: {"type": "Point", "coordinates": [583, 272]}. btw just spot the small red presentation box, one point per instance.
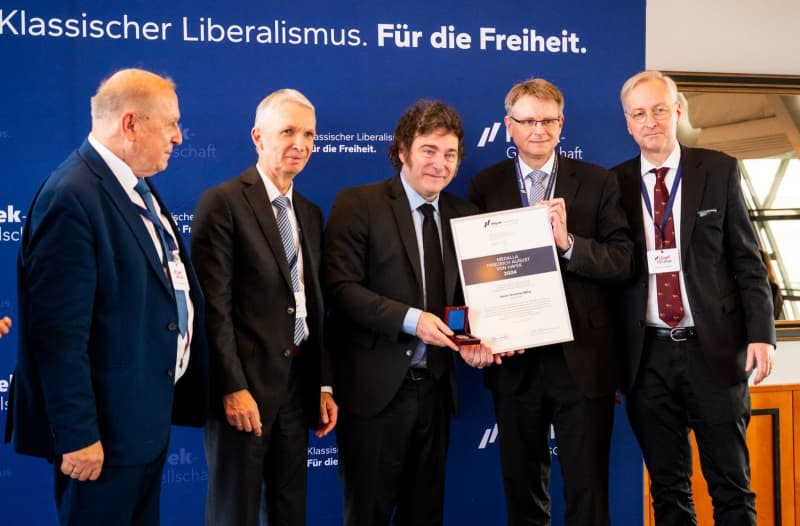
{"type": "Point", "coordinates": [457, 318]}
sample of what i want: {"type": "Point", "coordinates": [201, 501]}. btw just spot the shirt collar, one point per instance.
{"type": "Point", "coordinates": [272, 190]}
{"type": "Point", "coordinates": [414, 199]}
{"type": "Point", "coordinates": [121, 171]}
{"type": "Point", "coordinates": [547, 167]}
{"type": "Point", "coordinates": [672, 162]}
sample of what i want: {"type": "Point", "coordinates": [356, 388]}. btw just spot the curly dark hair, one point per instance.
{"type": "Point", "coordinates": [422, 118]}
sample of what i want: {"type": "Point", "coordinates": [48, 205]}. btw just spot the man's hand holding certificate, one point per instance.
{"type": "Point", "coordinates": [511, 279]}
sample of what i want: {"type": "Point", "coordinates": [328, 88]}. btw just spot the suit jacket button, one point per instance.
{"type": "Point", "coordinates": [287, 353]}
{"type": "Point", "coordinates": [409, 352]}
{"type": "Point", "coordinates": [170, 372]}
{"type": "Point", "coordinates": [172, 326]}
{"type": "Point", "coordinates": [290, 311]}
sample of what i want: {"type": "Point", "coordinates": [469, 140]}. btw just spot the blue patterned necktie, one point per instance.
{"type": "Point", "coordinates": [287, 236]}
{"type": "Point", "coordinates": [536, 193]}
{"type": "Point", "coordinates": [167, 247]}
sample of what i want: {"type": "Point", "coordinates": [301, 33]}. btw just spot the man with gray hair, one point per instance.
{"type": "Point", "coordinates": [256, 244]}
{"type": "Point", "coordinates": [696, 317]}
{"type": "Point", "coordinates": [111, 344]}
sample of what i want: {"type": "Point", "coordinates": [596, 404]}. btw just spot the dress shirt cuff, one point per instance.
{"type": "Point", "coordinates": [411, 320]}
{"type": "Point", "coordinates": [326, 389]}
{"type": "Point", "coordinates": [567, 254]}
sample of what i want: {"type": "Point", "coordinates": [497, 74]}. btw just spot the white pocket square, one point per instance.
{"type": "Point", "coordinates": [707, 212]}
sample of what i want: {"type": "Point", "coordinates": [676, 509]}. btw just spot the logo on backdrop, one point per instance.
{"type": "Point", "coordinates": [490, 437]}
{"type": "Point", "coordinates": [190, 150]}
{"type": "Point", "coordinates": [349, 143]}
{"type": "Point", "coordinates": [11, 221]}
{"type": "Point", "coordinates": [184, 466]}
{"type": "Point", "coordinates": [490, 133]}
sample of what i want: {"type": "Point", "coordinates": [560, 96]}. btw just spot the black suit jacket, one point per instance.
{"type": "Point", "coordinates": [725, 278]}
{"type": "Point", "coordinates": [98, 325]}
{"type": "Point", "coordinates": [373, 276]}
{"type": "Point", "coordinates": [239, 256]}
{"type": "Point", "coordinates": [602, 254]}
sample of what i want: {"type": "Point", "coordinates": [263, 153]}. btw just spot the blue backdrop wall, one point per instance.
{"type": "Point", "coordinates": [361, 64]}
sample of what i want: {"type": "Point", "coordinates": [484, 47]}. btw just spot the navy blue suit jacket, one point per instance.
{"type": "Point", "coordinates": [98, 325]}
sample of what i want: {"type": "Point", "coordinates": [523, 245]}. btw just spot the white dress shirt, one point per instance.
{"type": "Point", "coordinates": [672, 162]}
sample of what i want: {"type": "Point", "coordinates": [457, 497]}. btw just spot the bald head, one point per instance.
{"type": "Point", "coordinates": [135, 115]}
{"type": "Point", "coordinates": [128, 90]}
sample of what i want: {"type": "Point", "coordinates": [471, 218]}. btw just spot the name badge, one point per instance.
{"type": "Point", "coordinates": [177, 272]}
{"type": "Point", "coordinates": [666, 260]}
{"type": "Point", "coordinates": [300, 305]}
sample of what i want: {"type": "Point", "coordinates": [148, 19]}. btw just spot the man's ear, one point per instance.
{"type": "Point", "coordinates": [255, 135]}
{"type": "Point", "coordinates": [129, 125]}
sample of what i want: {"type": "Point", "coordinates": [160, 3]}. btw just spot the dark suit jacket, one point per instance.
{"type": "Point", "coordinates": [373, 276]}
{"type": "Point", "coordinates": [98, 325]}
{"type": "Point", "coordinates": [724, 274]}
{"type": "Point", "coordinates": [240, 260]}
{"type": "Point", "coordinates": [602, 254]}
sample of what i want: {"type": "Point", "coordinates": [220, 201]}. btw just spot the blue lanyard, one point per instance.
{"type": "Point", "coordinates": [668, 210]}
{"type": "Point", "coordinates": [521, 181]}
{"type": "Point", "coordinates": [168, 245]}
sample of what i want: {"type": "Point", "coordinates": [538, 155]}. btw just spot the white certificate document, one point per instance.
{"type": "Point", "coordinates": [511, 279]}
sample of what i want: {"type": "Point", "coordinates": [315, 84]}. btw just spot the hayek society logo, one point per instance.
{"type": "Point", "coordinates": [11, 221]}
{"type": "Point", "coordinates": [181, 467]}
{"type": "Point", "coordinates": [322, 457]}
{"type": "Point", "coordinates": [490, 133]}
{"type": "Point", "coordinates": [190, 150]}
{"type": "Point", "coordinates": [358, 143]}
{"type": "Point", "coordinates": [490, 437]}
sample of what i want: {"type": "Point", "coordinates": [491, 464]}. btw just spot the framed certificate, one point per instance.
{"type": "Point", "coordinates": [511, 279]}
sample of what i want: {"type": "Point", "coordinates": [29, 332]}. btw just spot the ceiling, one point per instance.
{"type": "Point", "coordinates": [746, 126]}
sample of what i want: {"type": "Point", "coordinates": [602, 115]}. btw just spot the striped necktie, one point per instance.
{"type": "Point", "coordinates": [287, 236]}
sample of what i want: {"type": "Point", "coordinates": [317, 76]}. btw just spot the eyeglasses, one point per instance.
{"type": "Point", "coordinates": [659, 113]}
{"type": "Point", "coordinates": [530, 124]}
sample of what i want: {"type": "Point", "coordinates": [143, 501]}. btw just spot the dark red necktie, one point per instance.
{"type": "Point", "coordinates": [670, 304]}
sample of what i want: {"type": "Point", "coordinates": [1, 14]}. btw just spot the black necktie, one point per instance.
{"type": "Point", "coordinates": [434, 283]}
